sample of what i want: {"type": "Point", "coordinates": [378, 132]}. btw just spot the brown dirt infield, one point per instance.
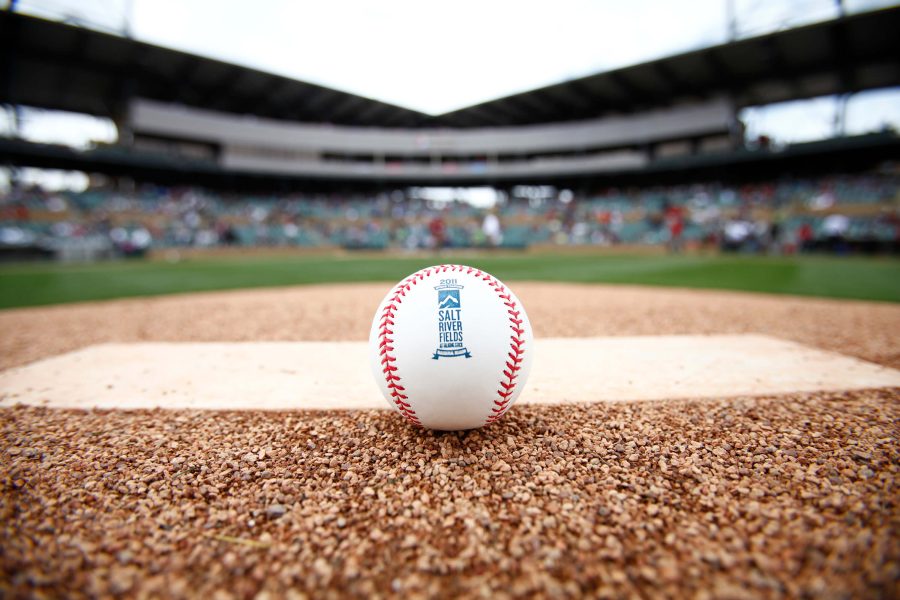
{"type": "Point", "coordinates": [867, 330]}
{"type": "Point", "coordinates": [730, 498]}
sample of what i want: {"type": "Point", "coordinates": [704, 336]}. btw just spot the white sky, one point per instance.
{"type": "Point", "coordinates": [429, 56]}
{"type": "Point", "coordinates": [436, 57]}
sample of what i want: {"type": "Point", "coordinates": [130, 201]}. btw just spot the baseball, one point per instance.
{"type": "Point", "coordinates": [451, 348]}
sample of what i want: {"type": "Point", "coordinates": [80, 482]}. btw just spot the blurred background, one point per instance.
{"type": "Point", "coordinates": [167, 129]}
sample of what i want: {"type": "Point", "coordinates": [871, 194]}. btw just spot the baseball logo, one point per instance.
{"type": "Point", "coordinates": [451, 348]}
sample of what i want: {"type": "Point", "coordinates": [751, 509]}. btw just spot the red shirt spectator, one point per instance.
{"type": "Point", "coordinates": [438, 230]}
{"type": "Point", "coordinates": [675, 219]}
{"type": "Point", "coordinates": [805, 233]}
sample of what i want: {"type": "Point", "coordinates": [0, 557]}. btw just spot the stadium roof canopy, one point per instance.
{"type": "Point", "coordinates": [52, 65]}
{"type": "Point", "coordinates": [851, 54]}
{"type": "Point", "coordinates": [57, 66]}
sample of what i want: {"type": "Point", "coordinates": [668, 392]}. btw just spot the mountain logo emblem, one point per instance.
{"type": "Point", "coordinates": [448, 299]}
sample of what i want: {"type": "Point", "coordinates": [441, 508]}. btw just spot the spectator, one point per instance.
{"type": "Point", "coordinates": [438, 230]}
{"type": "Point", "coordinates": [835, 228]}
{"type": "Point", "coordinates": [675, 221]}
{"type": "Point", "coordinates": [492, 230]}
{"type": "Point", "coordinates": [805, 237]}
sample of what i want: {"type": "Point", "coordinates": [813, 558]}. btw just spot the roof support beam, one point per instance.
{"type": "Point", "coordinates": [525, 106]}
{"type": "Point", "coordinates": [401, 118]}
{"type": "Point", "coordinates": [777, 63]}
{"type": "Point", "coordinates": [78, 49]}
{"type": "Point", "coordinates": [721, 72]}
{"type": "Point", "coordinates": [223, 85]}
{"type": "Point", "coordinates": [9, 41]}
{"type": "Point", "coordinates": [289, 102]}
{"type": "Point", "coordinates": [543, 109]}
{"type": "Point", "coordinates": [840, 55]}
{"type": "Point", "coordinates": [558, 106]}
{"type": "Point", "coordinates": [487, 115]}
{"type": "Point", "coordinates": [578, 91]}
{"type": "Point", "coordinates": [585, 99]}
{"type": "Point", "coordinates": [264, 99]}
{"type": "Point", "coordinates": [343, 106]}
{"type": "Point", "coordinates": [511, 112]}
{"type": "Point", "coordinates": [478, 116]}
{"type": "Point", "coordinates": [185, 92]}
{"type": "Point", "coordinates": [318, 97]}
{"type": "Point", "coordinates": [630, 91]}
{"type": "Point", "coordinates": [669, 79]}
{"type": "Point", "coordinates": [370, 113]}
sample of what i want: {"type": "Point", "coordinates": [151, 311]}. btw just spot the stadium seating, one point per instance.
{"type": "Point", "coordinates": [767, 215]}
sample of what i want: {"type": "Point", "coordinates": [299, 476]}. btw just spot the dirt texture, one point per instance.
{"type": "Point", "coordinates": [867, 330]}
{"type": "Point", "coordinates": [750, 497]}
{"type": "Point", "coordinates": [785, 496]}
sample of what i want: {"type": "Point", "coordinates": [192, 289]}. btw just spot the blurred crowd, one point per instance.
{"type": "Point", "coordinates": [846, 213]}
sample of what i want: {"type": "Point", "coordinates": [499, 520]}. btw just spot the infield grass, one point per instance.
{"type": "Point", "coordinates": [834, 277]}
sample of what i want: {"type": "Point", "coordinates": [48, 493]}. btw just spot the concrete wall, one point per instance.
{"type": "Point", "coordinates": [705, 118]}
{"type": "Point", "coordinates": [610, 144]}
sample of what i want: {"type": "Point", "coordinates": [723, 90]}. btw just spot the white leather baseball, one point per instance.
{"type": "Point", "coordinates": [451, 348]}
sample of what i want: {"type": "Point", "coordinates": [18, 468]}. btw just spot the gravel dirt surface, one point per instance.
{"type": "Point", "coordinates": [751, 497]}
{"type": "Point", "coordinates": [791, 496]}
{"type": "Point", "coordinates": [867, 330]}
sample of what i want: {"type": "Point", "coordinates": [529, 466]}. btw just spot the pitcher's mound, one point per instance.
{"type": "Point", "coordinates": [336, 375]}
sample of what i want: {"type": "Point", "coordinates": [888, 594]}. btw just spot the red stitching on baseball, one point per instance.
{"type": "Point", "coordinates": [516, 346]}
{"type": "Point", "coordinates": [516, 350]}
{"type": "Point", "coordinates": [385, 343]}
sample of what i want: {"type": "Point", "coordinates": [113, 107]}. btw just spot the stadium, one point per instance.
{"type": "Point", "coordinates": [186, 399]}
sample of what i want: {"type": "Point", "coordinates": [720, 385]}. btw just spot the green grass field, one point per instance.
{"type": "Point", "coordinates": [860, 278]}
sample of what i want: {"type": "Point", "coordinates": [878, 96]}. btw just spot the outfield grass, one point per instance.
{"type": "Point", "coordinates": [860, 278]}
